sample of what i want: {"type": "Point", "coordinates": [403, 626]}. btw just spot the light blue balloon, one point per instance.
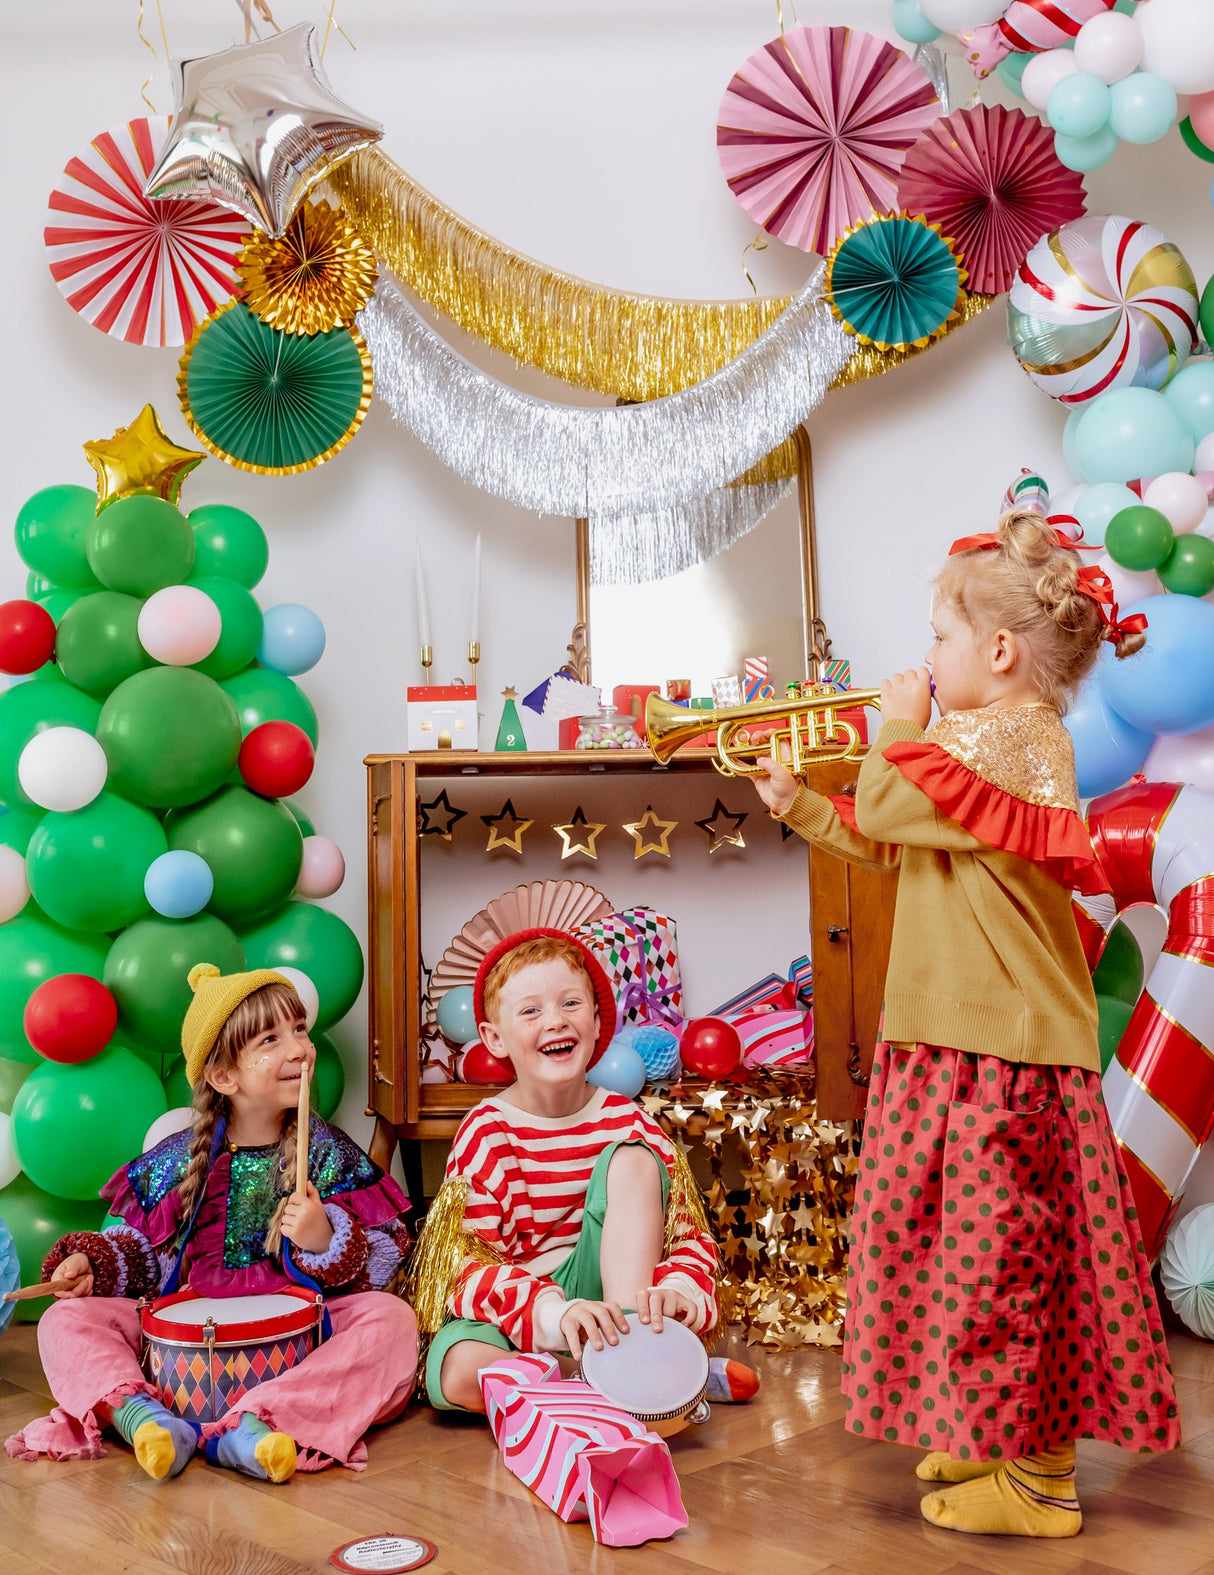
{"type": "Point", "coordinates": [1010, 71]}
{"type": "Point", "coordinates": [292, 639]}
{"type": "Point", "coordinates": [1070, 449]}
{"type": "Point", "coordinates": [1108, 750]}
{"type": "Point", "coordinates": [911, 24]}
{"type": "Point", "coordinates": [456, 1017]}
{"type": "Point", "coordinates": [1191, 396]}
{"type": "Point", "coordinates": [1132, 432]}
{"type": "Point", "coordinates": [178, 884]}
{"type": "Point", "coordinates": [1143, 107]}
{"type": "Point", "coordinates": [1079, 105]}
{"type": "Point", "coordinates": [1097, 506]}
{"type": "Point", "coordinates": [1085, 153]}
{"type": "Point", "coordinates": [619, 1068]}
{"type": "Point", "coordinates": [1168, 687]}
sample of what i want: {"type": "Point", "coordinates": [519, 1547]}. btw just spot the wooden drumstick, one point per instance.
{"type": "Point", "coordinates": [29, 1293]}
{"type": "Point", "coordinates": [301, 1133]}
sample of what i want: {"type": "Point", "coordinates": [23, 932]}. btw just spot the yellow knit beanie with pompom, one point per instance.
{"type": "Point", "coordinates": [216, 997]}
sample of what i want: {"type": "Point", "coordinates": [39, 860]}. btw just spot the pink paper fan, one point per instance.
{"type": "Point", "coordinates": [813, 129]}
{"type": "Point", "coordinates": [989, 177]}
{"type": "Point", "coordinates": [141, 270]}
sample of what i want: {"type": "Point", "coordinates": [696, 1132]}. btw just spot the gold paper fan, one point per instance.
{"type": "Point", "coordinates": [537, 904]}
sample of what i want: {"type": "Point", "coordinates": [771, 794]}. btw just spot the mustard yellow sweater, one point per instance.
{"type": "Point", "coordinates": [985, 956]}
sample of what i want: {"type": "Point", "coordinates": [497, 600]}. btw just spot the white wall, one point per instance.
{"type": "Point", "coordinates": [583, 135]}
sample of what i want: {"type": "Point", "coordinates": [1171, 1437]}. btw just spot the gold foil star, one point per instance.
{"type": "Point", "coordinates": [651, 834]}
{"type": "Point", "coordinates": [506, 829]}
{"type": "Point", "coordinates": [722, 828]}
{"type": "Point", "coordinates": [580, 835]}
{"type": "Point", "coordinates": [140, 458]}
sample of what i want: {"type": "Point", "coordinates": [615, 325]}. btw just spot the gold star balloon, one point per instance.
{"type": "Point", "coordinates": [255, 127]}
{"type": "Point", "coordinates": [651, 834]}
{"type": "Point", "coordinates": [506, 829]}
{"type": "Point", "coordinates": [580, 835]}
{"type": "Point", "coordinates": [141, 458]}
{"type": "Point", "coordinates": [722, 828]}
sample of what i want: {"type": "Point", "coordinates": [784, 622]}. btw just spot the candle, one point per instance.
{"type": "Point", "coordinates": [423, 612]}
{"type": "Point", "coordinates": [474, 637]}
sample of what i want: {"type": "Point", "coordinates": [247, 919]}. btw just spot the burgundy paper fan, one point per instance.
{"type": "Point", "coordinates": [989, 177]}
{"type": "Point", "coordinates": [813, 129]}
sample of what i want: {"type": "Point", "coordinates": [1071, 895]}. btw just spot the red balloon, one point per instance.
{"type": "Point", "coordinates": [710, 1047]}
{"type": "Point", "coordinates": [480, 1065]}
{"type": "Point", "coordinates": [70, 1017]}
{"type": "Point", "coordinates": [27, 637]}
{"type": "Point", "coordinates": [276, 759]}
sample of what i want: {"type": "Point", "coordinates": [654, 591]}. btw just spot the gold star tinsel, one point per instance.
{"type": "Point", "coordinates": [317, 276]}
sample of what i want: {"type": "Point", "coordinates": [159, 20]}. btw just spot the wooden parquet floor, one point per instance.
{"type": "Point", "coordinates": [774, 1488]}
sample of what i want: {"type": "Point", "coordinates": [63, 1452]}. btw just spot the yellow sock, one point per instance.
{"type": "Point", "coordinates": [1031, 1497]}
{"type": "Point", "coordinates": [154, 1449]}
{"type": "Point", "coordinates": [276, 1454]}
{"type": "Point", "coordinates": [941, 1467]}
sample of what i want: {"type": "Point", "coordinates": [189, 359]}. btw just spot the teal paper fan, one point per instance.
{"type": "Point", "coordinates": [894, 281]}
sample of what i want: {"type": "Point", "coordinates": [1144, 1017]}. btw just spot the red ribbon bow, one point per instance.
{"type": "Point", "coordinates": [1070, 543]}
{"type": "Point", "coordinates": [1094, 583]}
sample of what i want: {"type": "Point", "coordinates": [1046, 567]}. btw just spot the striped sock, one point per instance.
{"type": "Point", "coordinates": [729, 1382]}
{"type": "Point", "coordinates": [251, 1447]}
{"type": "Point", "coordinates": [1030, 1497]}
{"type": "Point", "coordinates": [163, 1443]}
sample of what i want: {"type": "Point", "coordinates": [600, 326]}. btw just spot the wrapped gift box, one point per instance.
{"type": "Point", "coordinates": [774, 1036]}
{"type": "Point", "coordinates": [629, 700]}
{"type": "Point", "coordinates": [639, 952]}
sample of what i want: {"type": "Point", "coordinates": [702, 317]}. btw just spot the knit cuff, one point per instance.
{"type": "Point", "coordinates": [546, 1314]}
{"type": "Point", "coordinates": [138, 1265]}
{"type": "Point", "coordinates": [102, 1256]}
{"type": "Point", "coordinates": [679, 1280]}
{"type": "Point", "coordinates": [345, 1258]}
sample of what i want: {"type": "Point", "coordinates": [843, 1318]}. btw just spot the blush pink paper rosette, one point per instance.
{"type": "Point", "coordinates": [587, 1459]}
{"type": "Point", "coordinates": [813, 129]}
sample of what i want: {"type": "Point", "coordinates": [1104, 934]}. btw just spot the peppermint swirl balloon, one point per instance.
{"type": "Point", "coordinates": [1102, 303]}
{"type": "Point", "coordinates": [1034, 25]}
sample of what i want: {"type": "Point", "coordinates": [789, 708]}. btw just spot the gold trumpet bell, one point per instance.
{"type": "Point", "coordinates": [798, 732]}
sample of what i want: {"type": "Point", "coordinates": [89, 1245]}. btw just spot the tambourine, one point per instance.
{"type": "Point", "coordinates": [659, 1378]}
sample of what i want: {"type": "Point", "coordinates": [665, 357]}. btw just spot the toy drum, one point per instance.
{"type": "Point", "coordinates": [659, 1378]}
{"type": "Point", "coordinates": [203, 1352]}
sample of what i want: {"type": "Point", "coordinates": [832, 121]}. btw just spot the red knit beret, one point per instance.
{"type": "Point", "coordinates": [604, 999]}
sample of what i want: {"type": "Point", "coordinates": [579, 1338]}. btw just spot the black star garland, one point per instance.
{"type": "Point", "coordinates": [439, 816]}
{"type": "Point", "coordinates": [722, 828]}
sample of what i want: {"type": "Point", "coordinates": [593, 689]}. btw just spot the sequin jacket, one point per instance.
{"type": "Point", "coordinates": [225, 1255]}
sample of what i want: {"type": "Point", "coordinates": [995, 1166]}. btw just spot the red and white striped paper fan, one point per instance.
{"type": "Point", "coordinates": [147, 271]}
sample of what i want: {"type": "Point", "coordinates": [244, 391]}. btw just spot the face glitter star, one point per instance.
{"type": "Point", "coordinates": [439, 816]}
{"type": "Point", "coordinates": [651, 834]}
{"type": "Point", "coordinates": [140, 458]}
{"type": "Point", "coordinates": [580, 835]}
{"type": "Point", "coordinates": [506, 829]}
{"type": "Point", "coordinates": [722, 828]}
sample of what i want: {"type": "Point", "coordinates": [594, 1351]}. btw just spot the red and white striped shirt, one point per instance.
{"type": "Point", "coordinates": [527, 1177]}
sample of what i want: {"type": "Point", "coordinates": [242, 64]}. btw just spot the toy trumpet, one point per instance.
{"type": "Point", "coordinates": [798, 732]}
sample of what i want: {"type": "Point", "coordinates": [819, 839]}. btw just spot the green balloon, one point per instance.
{"type": "Point", "coordinates": [37, 586]}
{"type": "Point", "coordinates": [328, 1076]}
{"type": "Point", "coordinates": [140, 544]}
{"type": "Point", "coordinates": [97, 646]}
{"type": "Point", "coordinates": [230, 542]}
{"type": "Point", "coordinates": [240, 617]}
{"type": "Point", "coordinates": [1113, 1016]}
{"type": "Point", "coordinates": [171, 736]}
{"type": "Point", "coordinates": [304, 936]}
{"type": "Point", "coordinates": [17, 826]}
{"type": "Point", "coordinates": [74, 1126]}
{"type": "Point", "coordinates": [12, 1075]}
{"type": "Point", "coordinates": [1207, 312]}
{"type": "Point", "coordinates": [253, 846]}
{"type": "Point", "coordinates": [1139, 538]}
{"type": "Point", "coordinates": [301, 815]}
{"type": "Point", "coordinates": [1189, 569]}
{"type": "Point", "coordinates": [261, 695]}
{"type": "Point", "coordinates": [147, 971]}
{"type": "Point", "coordinates": [59, 602]}
{"type": "Point", "coordinates": [86, 868]}
{"type": "Point", "coordinates": [33, 949]}
{"type": "Point", "coordinates": [1119, 972]}
{"type": "Point", "coordinates": [177, 1090]}
{"type": "Point", "coordinates": [37, 1220]}
{"type": "Point", "coordinates": [52, 529]}
{"type": "Point", "coordinates": [28, 709]}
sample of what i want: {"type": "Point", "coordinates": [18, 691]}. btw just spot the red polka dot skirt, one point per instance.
{"type": "Point", "coordinates": [1000, 1300]}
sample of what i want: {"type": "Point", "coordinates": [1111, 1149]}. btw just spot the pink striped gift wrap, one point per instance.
{"type": "Point", "coordinates": [775, 1036]}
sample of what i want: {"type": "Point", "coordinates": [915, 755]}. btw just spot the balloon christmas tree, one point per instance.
{"type": "Point", "coordinates": [148, 748]}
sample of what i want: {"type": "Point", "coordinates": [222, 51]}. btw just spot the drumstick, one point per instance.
{"type": "Point", "coordinates": [27, 1293]}
{"type": "Point", "coordinates": [301, 1135]}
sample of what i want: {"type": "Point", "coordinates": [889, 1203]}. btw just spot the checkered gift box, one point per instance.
{"type": "Point", "coordinates": [639, 952]}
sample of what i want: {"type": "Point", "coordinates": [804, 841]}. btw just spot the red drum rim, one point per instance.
{"type": "Point", "coordinates": [175, 1333]}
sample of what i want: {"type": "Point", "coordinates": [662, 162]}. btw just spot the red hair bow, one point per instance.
{"type": "Point", "coordinates": [1070, 543]}
{"type": "Point", "coordinates": [1094, 583]}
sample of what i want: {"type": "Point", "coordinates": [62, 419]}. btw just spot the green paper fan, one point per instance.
{"type": "Point", "coordinates": [894, 281]}
{"type": "Point", "coordinates": [273, 402]}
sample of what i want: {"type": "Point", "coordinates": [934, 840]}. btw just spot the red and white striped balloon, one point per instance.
{"type": "Point", "coordinates": [1155, 843]}
{"type": "Point", "coordinates": [1036, 25]}
{"type": "Point", "coordinates": [142, 270]}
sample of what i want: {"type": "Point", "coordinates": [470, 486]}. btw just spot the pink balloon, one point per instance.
{"type": "Point", "coordinates": [1204, 458]}
{"type": "Point", "coordinates": [1201, 113]}
{"type": "Point", "coordinates": [1127, 587]}
{"type": "Point", "coordinates": [1181, 498]}
{"type": "Point", "coordinates": [1109, 46]}
{"type": "Point", "coordinates": [1043, 74]}
{"type": "Point", "coordinates": [14, 887]}
{"type": "Point", "coordinates": [179, 625]}
{"type": "Point", "coordinates": [323, 868]}
{"type": "Point", "coordinates": [1185, 757]}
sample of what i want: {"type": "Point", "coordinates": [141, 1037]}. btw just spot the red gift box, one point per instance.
{"type": "Point", "coordinates": [623, 695]}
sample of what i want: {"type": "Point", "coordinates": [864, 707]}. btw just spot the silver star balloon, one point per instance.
{"type": "Point", "coordinates": [255, 127]}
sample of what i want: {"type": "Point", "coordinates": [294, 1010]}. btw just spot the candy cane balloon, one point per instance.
{"type": "Point", "coordinates": [1034, 25]}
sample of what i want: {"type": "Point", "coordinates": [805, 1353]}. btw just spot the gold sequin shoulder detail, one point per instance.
{"type": "Point", "coordinates": [1024, 750]}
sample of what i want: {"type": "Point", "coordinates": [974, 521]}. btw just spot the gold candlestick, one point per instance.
{"type": "Point", "coordinates": [427, 658]}
{"type": "Point", "coordinates": [474, 656]}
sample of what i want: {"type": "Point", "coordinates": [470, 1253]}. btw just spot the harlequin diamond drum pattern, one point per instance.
{"type": "Point", "coordinates": [201, 1383]}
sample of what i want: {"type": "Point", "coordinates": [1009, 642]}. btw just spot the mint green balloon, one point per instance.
{"type": "Point", "coordinates": [51, 531]}
{"type": "Point", "coordinates": [34, 949]}
{"type": "Point", "coordinates": [252, 846]}
{"type": "Point", "coordinates": [241, 621]}
{"type": "Point", "coordinates": [229, 542]}
{"type": "Point", "coordinates": [86, 868]}
{"type": "Point", "coordinates": [147, 972]}
{"type": "Point", "coordinates": [98, 642]}
{"type": "Point", "coordinates": [261, 695]}
{"type": "Point", "coordinates": [37, 1220]}
{"type": "Point", "coordinates": [171, 737]}
{"type": "Point", "coordinates": [313, 939]}
{"type": "Point", "coordinates": [28, 709]}
{"type": "Point", "coordinates": [75, 1125]}
{"type": "Point", "coordinates": [17, 826]}
{"type": "Point", "coordinates": [140, 544]}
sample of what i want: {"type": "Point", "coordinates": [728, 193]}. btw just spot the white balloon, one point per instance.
{"type": "Point", "coordinates": [305, 990]}
{"type": "Point", "coordinates": [1204, 458]}
{"type": "Point", "coordinates": [1181, 498]}
{"type": "Point", "coordinates": [323, 868]}
{"type": "Point", "coordinates": [14, 884]}
{"type": "Point", "coordinates": [164, 1126]}
{"type": "Point", "coordinates": [1178, 43]}
{"type": "Point", "coordinates": [10, 1165]}
{"type": "Point", "coordinates": [961, 16]}
{"type": "Point", "coordinates": [1043, 74]}
{"type": "Point", "coordinates": [1109, 46]}
{"type": "Point", "coordinates": [1183, 757]}
{"type": "Point", "coordinates": [1129, 587]}
{"type": "Point", "coordinates": [1064, 502]}
{"type": "Point", "coordinates": [62, 768]}
{"type": "Point", "coordinates": [179, 625]}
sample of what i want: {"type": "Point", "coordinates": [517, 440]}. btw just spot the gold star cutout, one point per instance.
{"type": "Point", "coordinates": [719, 834]}
{"type": "Point", "coordinates": [439, 816]}
{"type": "Point", "coordinates": [509, 692]}
{"type": "Point", "coordinates": [580, 835]}
{"type": "Point", "coordinates": [640, 831]}
{"type": "Point", "coordinates": [141, 458]}
{"type": "Point", "coordinates": [506, 829]}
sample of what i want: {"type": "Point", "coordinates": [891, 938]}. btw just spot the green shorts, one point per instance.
{"type": "Point", "coordinates": [579, 1276]}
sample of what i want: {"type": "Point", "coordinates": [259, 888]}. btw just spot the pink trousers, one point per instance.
{"type": "Point", "coordinates": [361, 1376]}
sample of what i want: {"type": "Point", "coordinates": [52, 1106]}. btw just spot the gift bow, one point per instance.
{"type": "Point", "coordinates": [638, 998]}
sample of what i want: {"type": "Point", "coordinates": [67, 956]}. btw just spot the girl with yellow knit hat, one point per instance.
{"type": "Point", "coordinates": [214, 1208]}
